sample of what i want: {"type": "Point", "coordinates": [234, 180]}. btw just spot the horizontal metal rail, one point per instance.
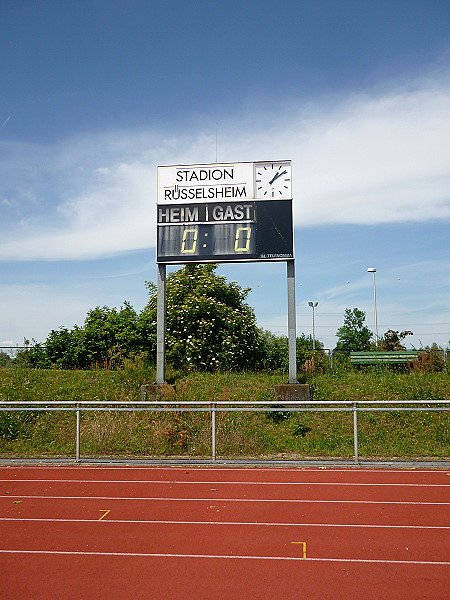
{"type": "Point", "coordinates": [277, 404]}
{"type": "Point", "coordinates": [225, 406]}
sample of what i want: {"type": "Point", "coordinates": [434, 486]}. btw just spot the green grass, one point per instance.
{"type": "Point", "coordinates": [249, 434]}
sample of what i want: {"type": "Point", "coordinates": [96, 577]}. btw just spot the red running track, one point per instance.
{"type": "Point", "coordinates": [223, 533]}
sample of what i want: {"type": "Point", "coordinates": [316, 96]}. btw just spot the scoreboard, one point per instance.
{"type": "Point", "coordinates": [227, 213]}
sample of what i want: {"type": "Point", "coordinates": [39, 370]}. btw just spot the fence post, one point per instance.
{"type": "Point", "coordinates": [77, 448]}
{"type": "Point", "coordinates": [213, 431]}
{"type": "Point", "coordinates": [355, 432]}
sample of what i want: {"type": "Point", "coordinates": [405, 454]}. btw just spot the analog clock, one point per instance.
{"type": "Point", "coordinates": [273, 180]}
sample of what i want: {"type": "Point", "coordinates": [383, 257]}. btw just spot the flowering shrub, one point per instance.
{"type": "Point", "coordinates": [209, 325]}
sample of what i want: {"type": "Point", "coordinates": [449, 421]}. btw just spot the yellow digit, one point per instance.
{"type": "Point", "coordinates": [193, 248]}
{"type": "Point", "coordinates": [247, 235]}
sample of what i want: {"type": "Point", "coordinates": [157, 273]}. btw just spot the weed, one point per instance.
{"type": "Point", "coordinates": [301, 429]}
{"type": "Point", "coordinates": [278, 416]}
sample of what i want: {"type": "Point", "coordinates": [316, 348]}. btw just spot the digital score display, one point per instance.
{"type": "Point", "coordinates": [244, 231]}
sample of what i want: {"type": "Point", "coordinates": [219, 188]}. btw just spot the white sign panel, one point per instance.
{"type": "Point", "coordinates": [206, 183]}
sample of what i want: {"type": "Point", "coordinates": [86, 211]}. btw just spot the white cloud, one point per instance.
{"type": "Point", "coordinates": [366, 160]}
{"type": "Point", "coordinates": [379, 161]}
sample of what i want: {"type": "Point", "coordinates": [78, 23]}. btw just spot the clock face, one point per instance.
{"type": "Point", "coordinates": [273, 180]}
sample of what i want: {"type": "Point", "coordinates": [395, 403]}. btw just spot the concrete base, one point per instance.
{"type": "Point", "coordinates": [155, 392]}
{"type": "Point", "coordinates": [293, 392]}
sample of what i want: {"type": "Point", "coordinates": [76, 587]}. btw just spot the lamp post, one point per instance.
{"type": "Point", "coordinates": [375, 316]}
{"type": "Point", "coordinates": [313, 306]}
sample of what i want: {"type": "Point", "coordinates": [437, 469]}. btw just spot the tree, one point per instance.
{"type": "Point", "coordinates": [304, 346]}
{"type": "Point", "coordinates": [273, 351]}
{"type": "Point", "coordinates": [5, 359]}
{"type": "Point", "coordinates": [209, 325]}
{"type": "Point", "coordinates": [107, 336]}
{"type": "Point", "coordinates": [111, 335]}
{"type": "Point", "coordinates": [60, 348]}
{"type": "Point", "coordinates": [392, 340]}
{"type": "Point", "coordinates": [353, 335]}
{"type": "Point", "coordinates": [33, 356]}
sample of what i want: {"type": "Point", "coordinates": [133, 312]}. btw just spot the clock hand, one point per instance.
{"type": "Point", "coordinates": [276, 176]}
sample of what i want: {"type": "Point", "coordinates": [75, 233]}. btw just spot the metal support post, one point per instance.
{"type": "Point", "coordinates": [161, 326]}
{"type": "Point", "coordinates": [292, 324]}
{"type": "Point", "coordinates": [213, 431]}
{"type": "Point", "coordinates": [77, 443]}
{"type": "Point", "coordinates": [355, 432]}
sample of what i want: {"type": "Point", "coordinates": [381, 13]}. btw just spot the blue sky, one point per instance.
{"type": "Point", "coordinates": [96, 93]}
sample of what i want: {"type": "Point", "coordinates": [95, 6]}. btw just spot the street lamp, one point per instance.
{"type": "Point", "coordinates": [375, 316]}
{"type": "Point", "coordinates": [313, 306]}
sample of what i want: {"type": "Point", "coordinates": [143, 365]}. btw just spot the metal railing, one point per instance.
{"type": "Point", "coordinates": [226, 406]}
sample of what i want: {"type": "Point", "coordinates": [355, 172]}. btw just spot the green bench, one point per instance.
{"type": "Point", "coordinates": [396, 357]}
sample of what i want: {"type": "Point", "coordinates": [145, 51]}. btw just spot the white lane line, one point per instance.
{"type": "Point", "coordinates": [238, 523]}
{"type": "Point", "coordinates": [171, 499]}
{"type": "Point", "coordinates": [224, 556]}
{"type": "Point", "coordinates": [181, 482]}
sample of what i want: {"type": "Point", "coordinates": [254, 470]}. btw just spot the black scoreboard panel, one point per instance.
{"type": "Point", "coordinates": [253, 230]}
